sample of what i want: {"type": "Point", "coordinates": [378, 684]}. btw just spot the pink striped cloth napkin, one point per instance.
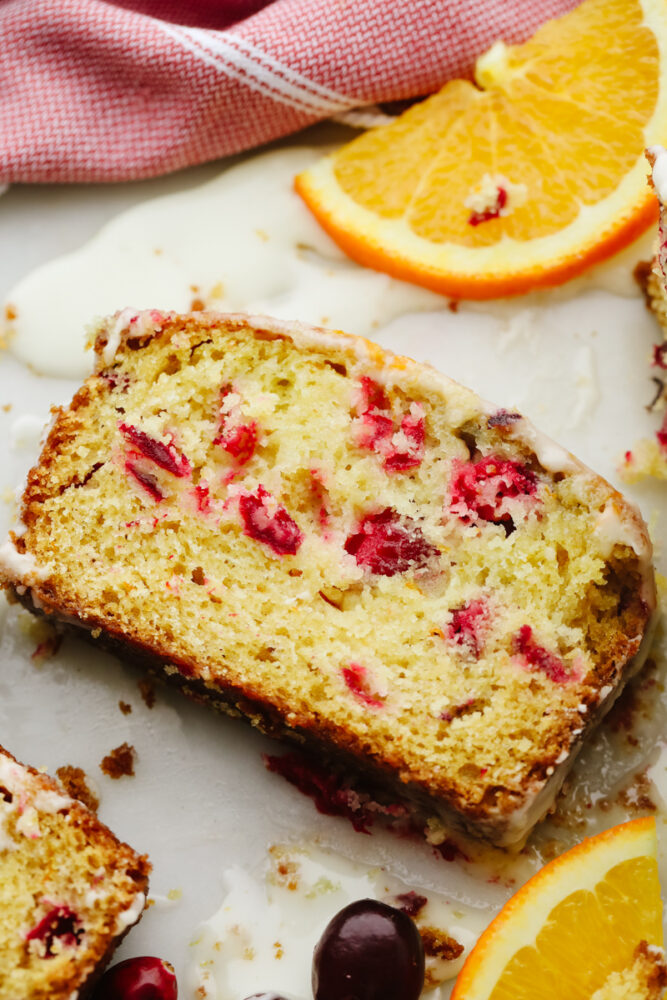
{"type": "Point", "coordinates": [95, 90]}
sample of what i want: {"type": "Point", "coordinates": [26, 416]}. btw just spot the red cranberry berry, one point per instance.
{"type": "Point", "coordinates": [374, 428]}
{"type": "Point", "coordinates": [480, 490]}
{"type": "Point", "coordinates": [374, 424]}
{"type": "Point", "coordinates": [144, 978]}
{"type": "Point", "coordinates": [469, 625]}
{"type": "Point", "coordinates": [369, 951]}
{"type": "Point", "coordinates": [146, 480]}
{"type": "Point", "coordinates": [238, 439]}
{"type": "Point", "coordinates": [268, 522]}
{"type": "Point", "coordinates": [388, 543]}
{"type": "Point", "coordinates": [538, 658]}
{"type": "Point", "coordinates": [660, 355]}
{"type": "Point", "coordinates": [662, 435]}
{"type": "Point", "coordinates": [494, 211]}
{"type": "Point", "coordinates": [357, 679]}
{"type": "Point", "coordinates": [411, 902]}
{"type": "Point", "coordinates": [502, 418]}
{"type": "Point", "coordinates": [410, 453]}
{"type": "Point", "coordinates": [60, 928]}
{"type": "Point", "coordinates": [167, 456]}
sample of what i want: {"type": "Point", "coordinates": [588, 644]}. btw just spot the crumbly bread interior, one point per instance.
{"type": "Point", "coordinates": [347, 538]}
{"type": "Point", "coordinates": [648, 456]}
{"type": "Point", "coordinates": [68, 889]}
{"type": "Point", "coordinates": [644, 979]}
{"type": "Point", "coordinates": [654, 288]}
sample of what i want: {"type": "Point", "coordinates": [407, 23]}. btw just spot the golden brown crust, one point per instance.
{"type": "Point", "coordinates": [440, 794]}
{"type": "Point", "coordinates": [655, 966]}
{"type": "Point", "coordinates": [648, 457]}
{"type": "Point", "coordinates": [73, 780]}
{"type": "Point", "coordinates": [137, 865]}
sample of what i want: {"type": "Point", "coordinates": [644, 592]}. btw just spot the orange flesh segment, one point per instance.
{"type": "Point", "coordinates": [564, 117]}
{"type": "Point", "coordinates": [573, 926]}
{"type": "Point", "coordinates": [537, 127]}
{"type": "Point", "coordinates": [607, 924]}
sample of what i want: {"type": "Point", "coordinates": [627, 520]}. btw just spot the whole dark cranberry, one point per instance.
{"type": "Point", "coordinates": [144, 978]}
{"type": "Point", "coordinates": [369, 951]}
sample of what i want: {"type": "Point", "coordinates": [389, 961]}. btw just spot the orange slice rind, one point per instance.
{"type": "Point", "coordinates": [576, 926]}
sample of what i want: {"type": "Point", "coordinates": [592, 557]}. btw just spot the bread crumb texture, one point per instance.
{"type": "Point", "coordinates": [644, 979]}
{"type": "Point", "coordinates": [346, 539]}
{"type": "Point", "coordinates": [68, 888]}
{"type": "Point", "coordinates": [648, 456]}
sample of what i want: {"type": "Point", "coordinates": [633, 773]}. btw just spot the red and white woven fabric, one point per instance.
{"type": "Point", "coordinates": [96, 90]}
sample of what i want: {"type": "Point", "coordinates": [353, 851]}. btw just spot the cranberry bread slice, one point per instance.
{"type": "Point", "coordinates": [346, 548]}
{"type": "Point", "coordinates": [648, 456]}
{"type": "Point", "coordinates": [69, 890]}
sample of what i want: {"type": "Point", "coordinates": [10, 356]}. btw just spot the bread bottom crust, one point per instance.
{"type": "Point", "coordinates": [506, 830]}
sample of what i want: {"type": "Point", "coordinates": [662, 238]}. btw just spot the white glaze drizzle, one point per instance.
{"type": "Point", "coordinates": [265, 930]}
{"type": "Point", "coordinates": [51, 802]}
{"type": "Point", "coordinates": [243, 241]}
{"type": "Point", "coordinates": [614, 527]}
{"type": "Point", "coordinates": [659, 171]}
{"type": "Point", "coordinates": [20, 566]}
{"type": "Point", "coordinates": [130, 916]}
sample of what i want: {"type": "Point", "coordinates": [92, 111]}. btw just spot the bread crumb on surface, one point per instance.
{"type": "Point", "coordinates": [147, 692]}
{"type": "Point", "coordinates": [636, 796]}
{"type": "Point", "coordinates": [120, 762]}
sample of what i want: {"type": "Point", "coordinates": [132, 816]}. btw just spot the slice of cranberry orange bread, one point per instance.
{"type": "Point", "coordinates": [648, 456]}
{"type": "Point", "coordinates": [69, 890]}
{"type": "Point", "coordinates": [345, 547]}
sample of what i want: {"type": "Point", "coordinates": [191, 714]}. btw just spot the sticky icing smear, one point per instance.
{"type": "Point", "coordinates": [262, 937]}
{"type": "Point", "coordinates": [660, 171]}
{"type": "Point", "coordinates": [242, 242]}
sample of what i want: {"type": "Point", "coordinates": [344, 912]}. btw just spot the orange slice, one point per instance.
{"type": "Point", "coordinates": [577, 926]}
{"type": "Point", "coordinates": [521, 181]}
